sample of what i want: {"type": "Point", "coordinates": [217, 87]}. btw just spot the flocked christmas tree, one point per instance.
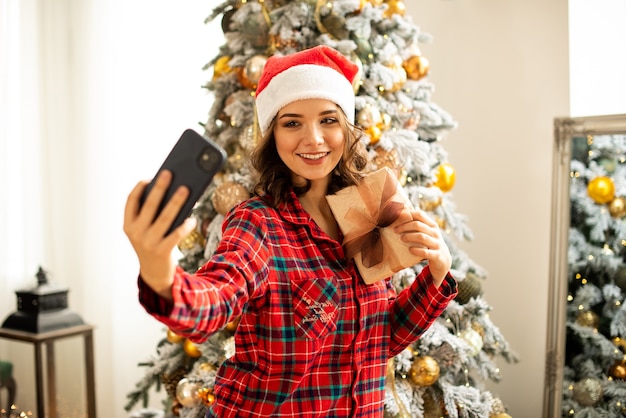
{"type": "Point", "coordinates": [443, 373]}
{"type": "Point", "coordinates": [595, 361]}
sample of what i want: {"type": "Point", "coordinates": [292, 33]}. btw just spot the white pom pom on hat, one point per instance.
{"type": "Point", "coordinates": [320, 72]}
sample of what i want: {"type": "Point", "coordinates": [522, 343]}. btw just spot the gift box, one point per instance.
{"type": "Point", "coordinates": [366, 214]}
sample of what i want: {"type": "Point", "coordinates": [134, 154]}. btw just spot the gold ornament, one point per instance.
{"type": "Point", "coordinates": [232, 325]}
{"type": "Point", "coordinates": [329, 22]}
{"type": "Point", "coordinates": [424, 371]}
{"type": "Point", "coordinates": [193, 239]}
{"type": "Point", "coordinates": [191, 349]}
{"type": "Point", "coordinates": [588, 391]}
{"type": "Point", "coordinates": [617, 207]}
{"type": "Point", "coordinates": [619, 343]}
{"type": "Point", "coordinates": [446, 177]}
{"type": "Point", "coordinates": [386, 158]}
{"type": "Point", "coordinates": [588, 319]}
{"type": "Point", "coordinates": [601, 189]}
{"type": "Point", "coordinates": [398, 72]}
{"type": "Point", "coordinates": [187, 393]}
{"type": "Point", "coordinates": [396, 7]}
{"type": "Point", "coordinates": [227, 195]}
{"type": "Point", "coordinates": [279, 43]}
{"type": "Point", "coordinates": [501, 415]}
{"type": "Point", "coordinates": [173, 337]}
{"type": "Point", "coordinates": [221, 67]}
{"type": "Point", "coordinates": [473, 339]}
{"type": "Point", "coordinates": [358, 78]}
{"type": "Point", "coordinates": [253, 69]}
{"type": "Point", "coordinates": [618, 369]}
{"type": "Point", "coordinates": [207, 367]}
{"type": "Point", "coordinates": [416, 67]}
{"type": "Point", "coordinates": [479, 329]}
{"type": "Point", "coordinates": [171, 380]}
{"type": "Point", "coordinates": [430, 205]}
{"type": "Point", "coordinates": [207, 396]}
{"type": "Point", "coordinates": [469, 287]}
{"type": "Point", "coordinates": [369, 116]}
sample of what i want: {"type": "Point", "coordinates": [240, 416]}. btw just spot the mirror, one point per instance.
{"type": "Point", "coordinates": [585, 354]}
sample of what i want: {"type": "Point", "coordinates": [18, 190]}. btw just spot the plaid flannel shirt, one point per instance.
{"type": "Point", "coordinates": [314, 339]}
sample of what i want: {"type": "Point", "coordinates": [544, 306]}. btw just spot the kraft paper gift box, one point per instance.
{"type": "Point", "coordinates": [366, 214]}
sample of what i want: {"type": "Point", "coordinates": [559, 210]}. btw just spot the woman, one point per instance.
{"type": "Point", "coordinates": [313, 339]}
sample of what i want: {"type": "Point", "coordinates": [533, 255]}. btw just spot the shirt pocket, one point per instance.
{"type": "Point", "coordinates": [315, 307]}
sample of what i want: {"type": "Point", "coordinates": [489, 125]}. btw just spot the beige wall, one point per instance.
{"type": "Point", "coordinates": [501, 69]}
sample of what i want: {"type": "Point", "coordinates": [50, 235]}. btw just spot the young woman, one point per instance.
{"type": "Point", "coordinates": [313, 339]}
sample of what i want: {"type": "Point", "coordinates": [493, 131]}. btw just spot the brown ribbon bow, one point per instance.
{"type": "Point", "coordinates": [366, 237]}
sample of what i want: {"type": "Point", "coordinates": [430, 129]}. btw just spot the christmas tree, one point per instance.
{"type": "Point", "coordinates": [443, 373]}
{"type": "Point", "coordinates": [595, 361]}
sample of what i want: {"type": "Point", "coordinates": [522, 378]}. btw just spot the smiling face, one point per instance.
{"type": "Point", "coordinates": [309, 138]}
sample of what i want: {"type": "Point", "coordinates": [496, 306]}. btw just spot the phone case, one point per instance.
{"type": "Point", "coordinates": [194, 160]}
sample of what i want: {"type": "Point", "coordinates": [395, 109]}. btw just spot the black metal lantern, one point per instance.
{"type": "Point", "coordinates": [42, 308]}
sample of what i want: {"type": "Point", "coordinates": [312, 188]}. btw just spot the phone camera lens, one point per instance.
{"type": "Point", "coordinates": [206, 160]}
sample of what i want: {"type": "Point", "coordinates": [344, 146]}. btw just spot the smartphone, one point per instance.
{"type": "Point", "coordinates": [194, 160]}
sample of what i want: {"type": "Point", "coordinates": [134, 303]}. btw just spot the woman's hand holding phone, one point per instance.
{"type": "Point", "coordinates": [156, 216]}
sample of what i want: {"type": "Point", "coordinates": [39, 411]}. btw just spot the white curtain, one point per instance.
{"type": "Point", "coordinates": [21, 214]}
{"type": "Point", "coordinates": [93, 93]}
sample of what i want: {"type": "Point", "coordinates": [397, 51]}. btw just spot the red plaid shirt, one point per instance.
{"type": "Point", "coordinates": [314, 339]}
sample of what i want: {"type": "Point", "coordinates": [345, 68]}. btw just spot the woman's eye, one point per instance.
{"type": "Point", "coordinates": [290, 123]}
{"type": "Point", "coordinates": [329, 120]}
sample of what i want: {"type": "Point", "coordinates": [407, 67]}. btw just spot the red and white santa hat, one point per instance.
{"type": "Point", "coordinates": [320, 72]}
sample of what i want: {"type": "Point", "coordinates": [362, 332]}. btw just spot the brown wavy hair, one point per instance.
{"type": "Point", "coordinates": [274, 177]}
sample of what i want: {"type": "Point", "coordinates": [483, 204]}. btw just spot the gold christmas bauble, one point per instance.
{"type": "Point", "coordinates": [386, 158]}
{"type": "Point", "coordinates": [416, 67]}
{"type": "Point", "coordinates": [232, 325]}
{"type": "Point", "coordinates": [227, 195]}
{"type": "Point", "coordinates": [395, 7]}
{"type": "Point", "coordinates": [601, 189]}
{"type": "Point", "coordinates": [221, 67]}
{"type": "Point", "coordinates": [187, 393]}
{"type": "Point", "coordinates": [446, 177]}
{"type": "Point", "coordinates": [207, 367]}
{"type": "Point", "coordinates": [473, 339]}
{"type": "Point", "coordinates": [618, 369]}
{"type": "Point", "coordinates": [430, 205]}
{"type": "Point", "coordinates": [173, 337]}
{"type": "Point", "coordinates": [588, 319]}
{"type": "Point", "coordinates": [191, 349]}
{"type": "Point", "coordinates": [617, 207]}
{"type": "Point", "coordinates": [253, 69]}
{"type": "Point", "coordinates": [193, 239]}
{"type": "Point", "coordinates": [501, 415]}
{"type": "Point", "coordinates": [369, 116]}
{"type": "Point", "coordinates": [424, 371]}
{"type": "Point", "coordinates": [619, 343]}
{"type": "Point", "coordinates": [469, 287]}
{"type": "Point", "coordinates": [588, 391]}
{"type": "Point", "coordinates": [207, 396]}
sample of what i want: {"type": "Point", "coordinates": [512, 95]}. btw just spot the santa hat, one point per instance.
{"type": "Point", "coordinates": [320, 72]}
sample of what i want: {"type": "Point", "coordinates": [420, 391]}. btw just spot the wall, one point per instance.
{"type": "Point", "coordinates": [501, 69]}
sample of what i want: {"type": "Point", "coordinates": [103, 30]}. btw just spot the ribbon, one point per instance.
{"type": "Point", "coordinates": [366, 237]}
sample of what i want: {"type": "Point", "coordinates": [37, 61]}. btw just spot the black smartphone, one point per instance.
{"type": "Point", "coordinates": [194, 160]}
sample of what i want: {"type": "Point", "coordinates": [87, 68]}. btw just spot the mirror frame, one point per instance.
{"type": "Point", "coordinates": [565, 129]}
